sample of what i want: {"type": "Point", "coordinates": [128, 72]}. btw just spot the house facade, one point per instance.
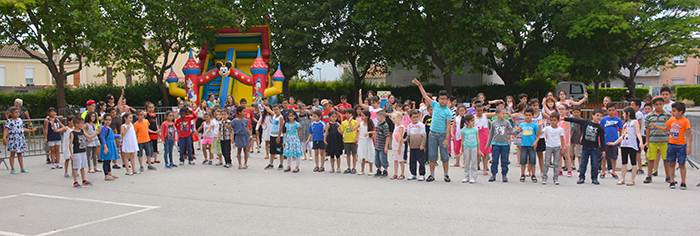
{"type": "Point", "coordinates": [17, 68]}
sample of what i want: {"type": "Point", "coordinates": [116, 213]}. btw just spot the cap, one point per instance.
{"type": "Point", "coordinates": [90, 102]}
{"type": "Point", "coordinates": [657, 98]}
{"type": "Point", "coordinates": [343, 97]}
{"type": "Point", "coordinates": [324, 102]}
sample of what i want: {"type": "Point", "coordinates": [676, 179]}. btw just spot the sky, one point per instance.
{"type": "Point", "coordinates": [328, 71]}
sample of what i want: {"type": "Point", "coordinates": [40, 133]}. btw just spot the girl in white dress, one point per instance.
{"type": "Point", "coordinates": [130, 145]}
{"type": "Point", "coordinates": [365, 146]}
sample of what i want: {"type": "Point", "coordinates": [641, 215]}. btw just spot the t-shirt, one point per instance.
{"type": "Point", "coordinates": [141, 129]}
{"type": "Point", "coordinates": [529, 133]}
{"type": "Point", "coordinates": [214, 131]}
{"type": "Point", "coordinates": [656, 135]}
{"type": "Point", "coordinates": [469, 137]}
{"type": "Point", "coordinates": [553, 136]}
{"type": "Point", "coordinates": [593, 133]}
{"type": "Point", "coordinates": [640, 116]}
{"type": "Point", "coordinates": [416, 135]}
{"type": "Point", "coordinates": [275, 129]}
{"type": "Point", "coordinates": [382, 133]}
{"type": "Point", "coordinates": [349, 135]}
{"type": "Point", "coordinates": [341, 108]}
{"type": "Point", "coordinates": [324, 116]}
{"type": "Point", "coordinates": [669, 107]}
{"type": "Point", "coordinates": [79, 142]}
{"type": "Point", "coordinates": [500, 133]}
{"type": "Point", "coordinates": [184, 128]}
{"type": "Point", "coordinates": [576, 133]}
{"type": "Point", "coordinates": [612, 127]}
{"type": "Point", "coordinates": [373, 115]}
{"type": "Point", "coordinates": [678, 128]}
{"type": "Point", "coordinates": [440, 117]}
{"type": "Point", "coordinates": [317, 130]}
{"type": "Point", "coordinates": [427, 120]}
{"type": "Point", "coordinates": [153, 125]}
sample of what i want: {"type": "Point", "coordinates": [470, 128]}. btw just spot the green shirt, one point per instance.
{"type": "Point", "coordinates": [656, 135]}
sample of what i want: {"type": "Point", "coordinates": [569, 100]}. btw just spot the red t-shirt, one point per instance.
{"type": "Point", "coordinates": [184, 129]}
{"type": "Point", "coordinates": [341, 109]}
{"type": "Point", "coordinates": [249, 116]}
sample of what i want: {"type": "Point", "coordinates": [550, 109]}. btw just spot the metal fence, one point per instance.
{"type": "Point", "coordinates": [695, 131]}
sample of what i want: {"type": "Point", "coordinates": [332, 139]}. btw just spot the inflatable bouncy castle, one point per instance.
{"type": "Point", "coordinates": [237, 66]}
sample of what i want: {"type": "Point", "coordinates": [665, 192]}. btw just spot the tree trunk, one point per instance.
{"type": "Point", "coordinates": [285, 88]}
{"type": "Point", "coordinates": [357, 85]}
{"type": "Point", "coordinates": [631, 85]}
{"type": "Point", "coordinates": [60, 91]}
{"type": "Point", "coordinates": [163, 91]}
{"type": "Point", "coordinates": [447, 79]}
{"type": "Point", "coordinates": [596, 87]}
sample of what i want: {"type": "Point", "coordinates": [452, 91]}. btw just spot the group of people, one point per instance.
{"type": "Point", "coordinates": [439, 128]}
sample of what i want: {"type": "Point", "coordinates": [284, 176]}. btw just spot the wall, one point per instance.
{"type": "Point", "coordinates": [15, 73]}
{"type": "Point", "coordinates": [685, 72]}
{"type": "Point", "coordinates": [90, 74]}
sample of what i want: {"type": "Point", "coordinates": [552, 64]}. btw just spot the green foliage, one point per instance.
{"type": "Point", "coordinates": [689, 92]}
{"type": "Point", "coordinates": [37, 103]}
{"type": "Point", "coordinates": [616, 93]}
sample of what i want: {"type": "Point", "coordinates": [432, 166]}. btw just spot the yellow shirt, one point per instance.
{"type": "Point", "coordinates": [348, 134]}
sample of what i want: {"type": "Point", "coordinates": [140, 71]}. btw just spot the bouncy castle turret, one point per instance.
{"type": "Point", "coordinates": [277, 80]}
{"type": "Point", "coordinates": [191, 71]}
{"type": "Point", "coordinates": [172, 85]}
{"type": "Point", "coordinates": [259, 69]}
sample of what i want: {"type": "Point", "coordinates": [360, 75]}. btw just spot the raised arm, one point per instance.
{"type": "Point", "coordinates": [584, 99]}
{"type": "Point", "coordinates": [427, 98]}
{"type": "Point", "coordinates": [362, 104]}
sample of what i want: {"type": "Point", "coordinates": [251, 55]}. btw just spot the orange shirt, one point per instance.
{"type": "Point", "coordinates": [678, 129]}
{"type": "Point", "coordinates": [141, 129]}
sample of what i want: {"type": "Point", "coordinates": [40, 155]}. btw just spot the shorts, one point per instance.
{"type": "Point", "coordinates": [528, 155]}
{"type": "Point", "coordinates": [319, 145]}
{"type": "Point", "coordinates": [54, 143]}
{"type": "Point", "coordinates": [276, 148]}
{"type": "Point", "coordinates": [541, 145]}
{"type": "Point", "coordinates": [350, 148]}
{"type": "Point", "coordinates": [676, 153]}
{"type": "Point", "coordinates": [653, 147]}
{"type": "Point", "coordinates": [80, 161]}
{"type": "Point", "coordinates": [611, 152]}
{"type": "Point", "coordinates": [147, 147]}
{"type": "Point", "coordinates": [207, 140]}
{"type": "Point", "coordinates": [575, 150]}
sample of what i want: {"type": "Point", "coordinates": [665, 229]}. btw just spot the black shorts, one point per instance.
{"type": "Point", "coordinates": [319, 145]}
{"type": "Point", "coordinates": [541, 145]}
{"type": "Point", "coordinates": [350, 149]}
{"type": "Point", "coordinates": [276, 148]}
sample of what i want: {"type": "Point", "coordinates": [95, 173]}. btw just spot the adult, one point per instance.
{"type": "Point", "coordinates": [439, 127]}
{"type": "Point", "coordinates": [89, 108]}
{"type": "Point", "coordinates": [109, 100]}
{"type": "Point", "coordinates": [23, 112]}
{"type": "Point", "coordinates": [230, 106]}
{"type": "Point", "coordinates": [212, 100]}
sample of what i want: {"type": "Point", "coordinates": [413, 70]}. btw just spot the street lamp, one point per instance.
{"type": "Point", "coordinates": [319, 73]}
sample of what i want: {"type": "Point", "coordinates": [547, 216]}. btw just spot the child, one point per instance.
{"type": "Point", "coordinates": [242, 136]}
{"type": "Point", "coordinates": [304, 124]}
{"type": "Point", "coordinates": [554, 138]}
{"type": "Point", "coordinates": [365, 146]}
{"type": "Point", "coordinates": [144, 141]}
{"type": "Point", "coordinates": [668, 103]}
{"type": "Point", "coordinates": [266, 125]}
{"type": "Point", "coordinates": [207, 138]}
{"type": "Point", "coordinates": [317, 129]}
{"type": "Point", "coordinates": [530, 138]}
{"type": "Point", "coordinates": [613, 126]}
{"type": "Point", "coordinates": [518, 117]}
{"type": "Point", "coordinates": [427, 119]}
{"type": "Point", "coordinates": [636, 104]}
{"type": "Point", "coordinates": [631, 138]}
{"type": "Point", "coordinates": [130, 144]}
{"type": "Point", "coordinates": [541, 118]}
{"type": "Point", "coordinates": [13, 139]}
{"type": "Point", "coordinates": [225, 135]}
{"type": "Point", "coordinates": [483, 123]}
{"type": "Point", "coordinates": [416, 142]}
{"type": "Point", "coordinates": [349, 131]}
{"type": "Point", "coordinates": [457, 135]}
{"type": "Point", "coordinates": [440, 123]}
{"type": "Point", "coordinates": [151, 117]}
{"type": "Point", "coordinates": [292, 145]}
{"type": "Point", "coordinates": [381, 148]}
{"type": "Point", "coordinates": [66, 144]}
{"type": "Point", "coordinates": [213, 132]}
{"type": "Point", "coordinates": [658, 139]}
{"type": "Point", "coordinates": [373, 108]}
{"type": "Point", "coordinates": [108, 149]}
{"type": "Point", "coordinates": [593, 139]}
{"type": "Point", "coordinates": [254, 130]}
{"type": "Point", "coordinates": [53, 128]}
{"type": "Point", "coordinates": [648, 109]}
{"type": "Point", "coordinates": [92, 143]}
{"type": "Point", "coordinates": [470, 151]}
{"type": "Point", "coordinates": [78, 141]}
{"type": "Point", "coordinates": [397, 142]}
{"type": "Point", "coordinates": [499, 141]}
{"type": "Point", "coordinates": [333, 140]}
{"type": "Point", "coordinates": [184, 135]}
{"type": "Point", "coordinates": [168, 132]}
{"type": "Point", "coordinates": [276, 141]}
{"type": "Point", "coordinates": [563, 110]}
{"type": "Point", "coordinates": [576, 134]}
{"type": "Point", "coordinates": [679, 147]}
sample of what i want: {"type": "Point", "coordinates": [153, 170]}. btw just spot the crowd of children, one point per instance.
{"type": "Point", "coordinates": [551, 137]}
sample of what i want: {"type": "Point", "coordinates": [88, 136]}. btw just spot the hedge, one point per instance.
{"type": "Point", "coordinates": [306, 91]}
{"type": "Point", "coordinates": [37, 103]}
{"type": "Point", "coordinates": [689, 92]}
{"type": "Point", "coordinates": [615, 93]}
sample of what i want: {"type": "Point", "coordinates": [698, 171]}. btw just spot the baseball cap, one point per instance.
{"type": "Point", "coordinates": [90, 102]}
{"type": "Point", "coordinates": [657, 98]}
{"type": "Point", "coordinates": [324, 102]}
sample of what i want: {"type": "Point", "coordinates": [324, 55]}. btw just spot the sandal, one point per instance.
{"type": "Point", "coordinates": [129, 173]}
{"type": "Point", "coordinates": [321, 169]}
{"type": "Point", "coordinates": [622, 181]}
{"type": "Point", "coordinates": [240, 167]}
{"type": "Point", "coordinates": [401, 177]}
{"type": "Point", "coordinates": [455, 165]}
{"type": "Point", "coordinates": [316, 169]}
{"type": "Point", "coordinates": [288, 169]}
{"type": "Point", "coordinates": [631, 183]}
{"type": "Point", "coordinates": [91, 171]}
{"type": "Point", "coordinates": [331, 171]}
{"type": "Point", "coordinates": [109, 178]}
{"type": "Point", "coordinates": [114, 176]}
{"type": "Point", "coordinates": [393, 177]}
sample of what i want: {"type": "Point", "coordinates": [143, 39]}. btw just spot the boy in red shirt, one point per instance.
{"type": "Point", "coordinates": [342, 106]}
{"type": "Point", "coordinates": [184, 134]}
{"type": "Point", "coordinates": [678, 128]}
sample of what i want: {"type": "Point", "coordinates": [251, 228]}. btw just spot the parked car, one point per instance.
{"type": "Point", "coordinates": [575, 90]}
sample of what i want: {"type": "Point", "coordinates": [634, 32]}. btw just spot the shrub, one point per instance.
{"type": "Point", "coordinates": [688, 92]}
{"type": "Point", "coordinates": [614, 93]}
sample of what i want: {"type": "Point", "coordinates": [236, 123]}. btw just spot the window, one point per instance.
{"type": "Point", "coordinates": [678, 81]}
{"type": "Point", "coordinates": [697, 78]}
{"type": "Point", "coordinates": [2, 75]}
{"type": "Point", "coordinates": [679, 60]}
{"type": "Point", "coordinates": [576, 89]}
{"type": "Point", "coordinates": [29, 74]}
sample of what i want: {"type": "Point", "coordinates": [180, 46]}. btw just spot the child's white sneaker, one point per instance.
{"type": "Point", "coordinates": [464, 180]}
{"type": "Point", "coordinates": [421, 178]}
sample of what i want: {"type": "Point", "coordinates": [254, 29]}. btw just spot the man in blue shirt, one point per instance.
{"type": "Point", "coordinates": [612, 126]}
{"type": "Point", "coordinates": [439, 131]}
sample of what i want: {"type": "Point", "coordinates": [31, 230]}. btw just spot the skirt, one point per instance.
{"type": "Point", "coordinates": [292, 146]}
{"type": "Point", "coordinates": [216, 146]}
{"type": "Point", "coordinates": [365, 149]}
{"type": "Point", "coordinates": [111, 151]}
{"type": "Point", "coordinates": [16, 142]}
{"type": "Point", "coordinates": [483, 138]}
{"type": "Point", "coordinates": [130, 146]}
{"type": "Point", "coordinates": [242, 140]}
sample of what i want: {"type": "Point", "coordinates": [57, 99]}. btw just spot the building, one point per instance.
{"type": "Point", "coordinates": [17, 68]}
{"type": "Point", "coordinates": [686, 71]}
{"type": "Point", "coordinates": [401, 76]}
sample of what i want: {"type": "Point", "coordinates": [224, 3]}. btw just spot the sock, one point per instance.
{"type": "Point", "coordinates": [432, 173]}
{"type": "Point", "coordinates": [683, 181]}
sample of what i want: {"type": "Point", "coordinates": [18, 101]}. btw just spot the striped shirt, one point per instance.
{"type": "Point", "coordinates": [656, 135]}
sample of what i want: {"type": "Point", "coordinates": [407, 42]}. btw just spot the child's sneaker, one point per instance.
{"type": "Point", "coordinates": [614, 175]}
{"type": "Point", "coordinates": [413, 177]}
{"type": "Point", "coordinates": [505, 179]}
{"type": "Point", "coordinates": [204, 162]}
{"type": "Point", "coordinates": [354, 171]}
{"type": "Point", "coordinates": [544, 180]}
{"type": "Point", "coordinates": [683, 187]}
{"type": "Point", "coordinates": [168, 166]}
{"type": "Point", "coordinates": [672, 185]}
{"type": "Point", "coordinates": [76, 185]}
{"type": "Point", "coordinates": [191, 163]}
{"type": "Point", "coordinates": [645, 164]}
{"type": "Point", "coordinates": [86, 183]}
{"type": "Point", "coordinates": [269, 166]}
{"type": "Point", "coordinates": [141, 169]}
{"type": "Point", "coordinates": [534, 179]}
{"type": "Point", "coordinates": [654, 173]}
{"type": "Point", "coordinates": [464, 180]}
{"type": "Point", "coordinates": [602, 175]}
{"type": "Point", "coordinates": [181, 163]}
{"type": "Point", "coordinates": [522, 178]}
{"type": "Point", "coordinates": [379, 173]}
{"type": "Point", "coordinates": [430, 178]}
{"type": "Point", "coordinates": [560, 173]}
{"type": "Point", "coordinates": [647, 180]}
{"type": "Point", "coordinates": [24, 171]}
{"type": "Point", "coordinates": [447, 179]}
{"type": "Point", "coordinates": [568, 174]}
{"type": "Point", "coordinates": [151, 167]}
{"type": "Point", "coordinates": [556, 182]}
{"type": "Point", "coordinates": [15, 172]}
{"type": "Point", "coordinates": [280, 167]}
{"type": "Point", "coordinates": [640, 172]}
{"type": "Point", "coordinates": [421, 178]}
{"type": "Point", "coordinates": [361, 173]}
{"type": "Point", "coordinates": [53, 166]}
{"type": "Point", "coordinates": [492, 179]}
{"type": "Point", "coordinates": [209, 162]}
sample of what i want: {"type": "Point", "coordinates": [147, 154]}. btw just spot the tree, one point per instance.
{"type": "Point", "coordinates": [56, 28]}
{"type": "Point", "coordinates": [634, 35]}
{"type": "Point", "coordinates": [426, 34]}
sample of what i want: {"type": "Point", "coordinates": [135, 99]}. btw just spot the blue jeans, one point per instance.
{"type": "Point", "coordinates": [186, 148]}
{"type": "Point", "coordinates": [168, 151]}
{"type": "Point", "coordinates": [435, 141]}
{"type": "Point", "coordinates": [592, 153]}
{"type": "Point", "coordinates": [500, 153]}
{"type": "Point", "coordinates": [380, 159]}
